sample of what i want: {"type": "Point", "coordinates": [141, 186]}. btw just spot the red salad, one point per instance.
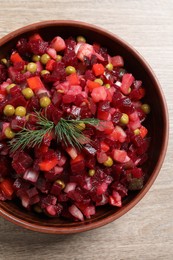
{"type": "Point", "coordinates": [72, 134]}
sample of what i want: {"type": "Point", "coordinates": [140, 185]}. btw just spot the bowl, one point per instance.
{"type": "Point", "coordinates": [157, 123]}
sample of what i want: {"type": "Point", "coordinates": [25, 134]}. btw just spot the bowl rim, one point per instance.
{"type": "Point", "coordinates": [70, 230]}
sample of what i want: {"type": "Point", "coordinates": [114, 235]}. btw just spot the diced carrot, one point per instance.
{"type": "Point", "coordinates": [50, 64]}
{"type": "Point", "coordinates": [35, 83]}
{"type": "Point", "coordinates": [98, 69]}
{"type": "Point", "coordinates": [35, 37]}
{"type": "Point", "coordinates": [48, 164]}
{"type": "Point", "coordinates": [15, 57]}
{"type": "Point", "coordinates": [7, 187]}
{"type": "Point", "coordinates": [91, 84]}
{"type": "Point", "coordinates": [143, 131]}
{"type": "Point", "coordinates": [77, 159]}
{"type": "Point", "coordinates": [73, 79]}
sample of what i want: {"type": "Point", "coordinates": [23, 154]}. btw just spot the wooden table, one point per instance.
{"type": "Point", "coordinates": [146, 232]}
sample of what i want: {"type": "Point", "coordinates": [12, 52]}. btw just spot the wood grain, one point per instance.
{"type": "Point", "coordinates": [146, 232]}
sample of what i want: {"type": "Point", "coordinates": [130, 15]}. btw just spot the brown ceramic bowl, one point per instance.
{"type": "Point", "coordinates": [157, 124]}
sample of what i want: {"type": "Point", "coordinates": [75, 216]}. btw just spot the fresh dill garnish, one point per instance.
{"type": "Point", "coordinates": [31, 138]}
{"type": "Point", "coordinates": [66, 131]}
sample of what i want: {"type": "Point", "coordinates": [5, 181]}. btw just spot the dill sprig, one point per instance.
{"type": "Point", "coordinates": [31, 138]}
{"type": "Point", "coordinates": [66, 131]}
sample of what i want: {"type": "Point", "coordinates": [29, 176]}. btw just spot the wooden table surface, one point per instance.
{"type": "Point", "coordinates": [146, 231]}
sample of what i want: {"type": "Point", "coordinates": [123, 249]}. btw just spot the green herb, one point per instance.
{"type": "Point", "coordinates": [67, 131]}
{"type": "Point", "coordinates": [31, 138]}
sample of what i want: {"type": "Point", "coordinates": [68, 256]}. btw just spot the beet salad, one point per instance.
{"type": "Point", "coordinates": [72, 134]}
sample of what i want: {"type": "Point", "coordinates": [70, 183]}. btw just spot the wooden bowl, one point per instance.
{"type": "Point", "coordinates": [157, 124]}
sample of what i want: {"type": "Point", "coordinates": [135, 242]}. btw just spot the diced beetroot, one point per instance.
{"type": "Point", "coordinates": [137, 94]}
{"type": "Point", "coordinates": [4, 167]}
{"type": "Point", "coordinates": [38, 46]}
{"type": "Point", "coordinates": [76, 195]}
{"type": "Point", "coordinates": [18, 100]}
{"type": "Point", "coordinates": [137, 173]}
{"type": "Point", "coordinates": [48, 200]}
{"type": "Point", "coordinates": [35, 37]}
{"type": "Point", "coordinates": [21, 162]}
{"type": "Point", "coordinates": [70, 58]}
{"type": "Point", "coordinates": [125, 105]}
{"type": "Point", "coordinates": [34, 200]}
{"type": "Point", "coordinates": [103, 115]}
{"type": "Point", "coordinates": [89, 75]}
{"type": "Point", "coordinates": [52, 174]}
{"type": "Point", "coordinates": [56, 115]}
{"type": "Point", "coordinates": [32, 192]}
{"type": "Point", "coordinates": [67, 99]}
{"type": "Point", "coordinates": [90, 162]}
{"type": "Point", "coordinates": [3, 73]}
{"type": "Point", "coordinates": [61, 161]}
{"type": "Point", "coordinates": [77, 164]}
{"type": "Point", "coordinates": [56, 189]}
{"type": "Point", "coordinates": [56, 99]}
{"type": "Point", "coordinates": [76, 212]}
{"type": "Point", "coordinates": [18, 123]}
{"type": "Point", "coordinates": [33, 104]}
{"type": "Point", "coordinates": [15, 91]}
{"type": "Point", "coordinates": [43, 185]}
{"type": "Point", "coordinates": [23, 47]}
